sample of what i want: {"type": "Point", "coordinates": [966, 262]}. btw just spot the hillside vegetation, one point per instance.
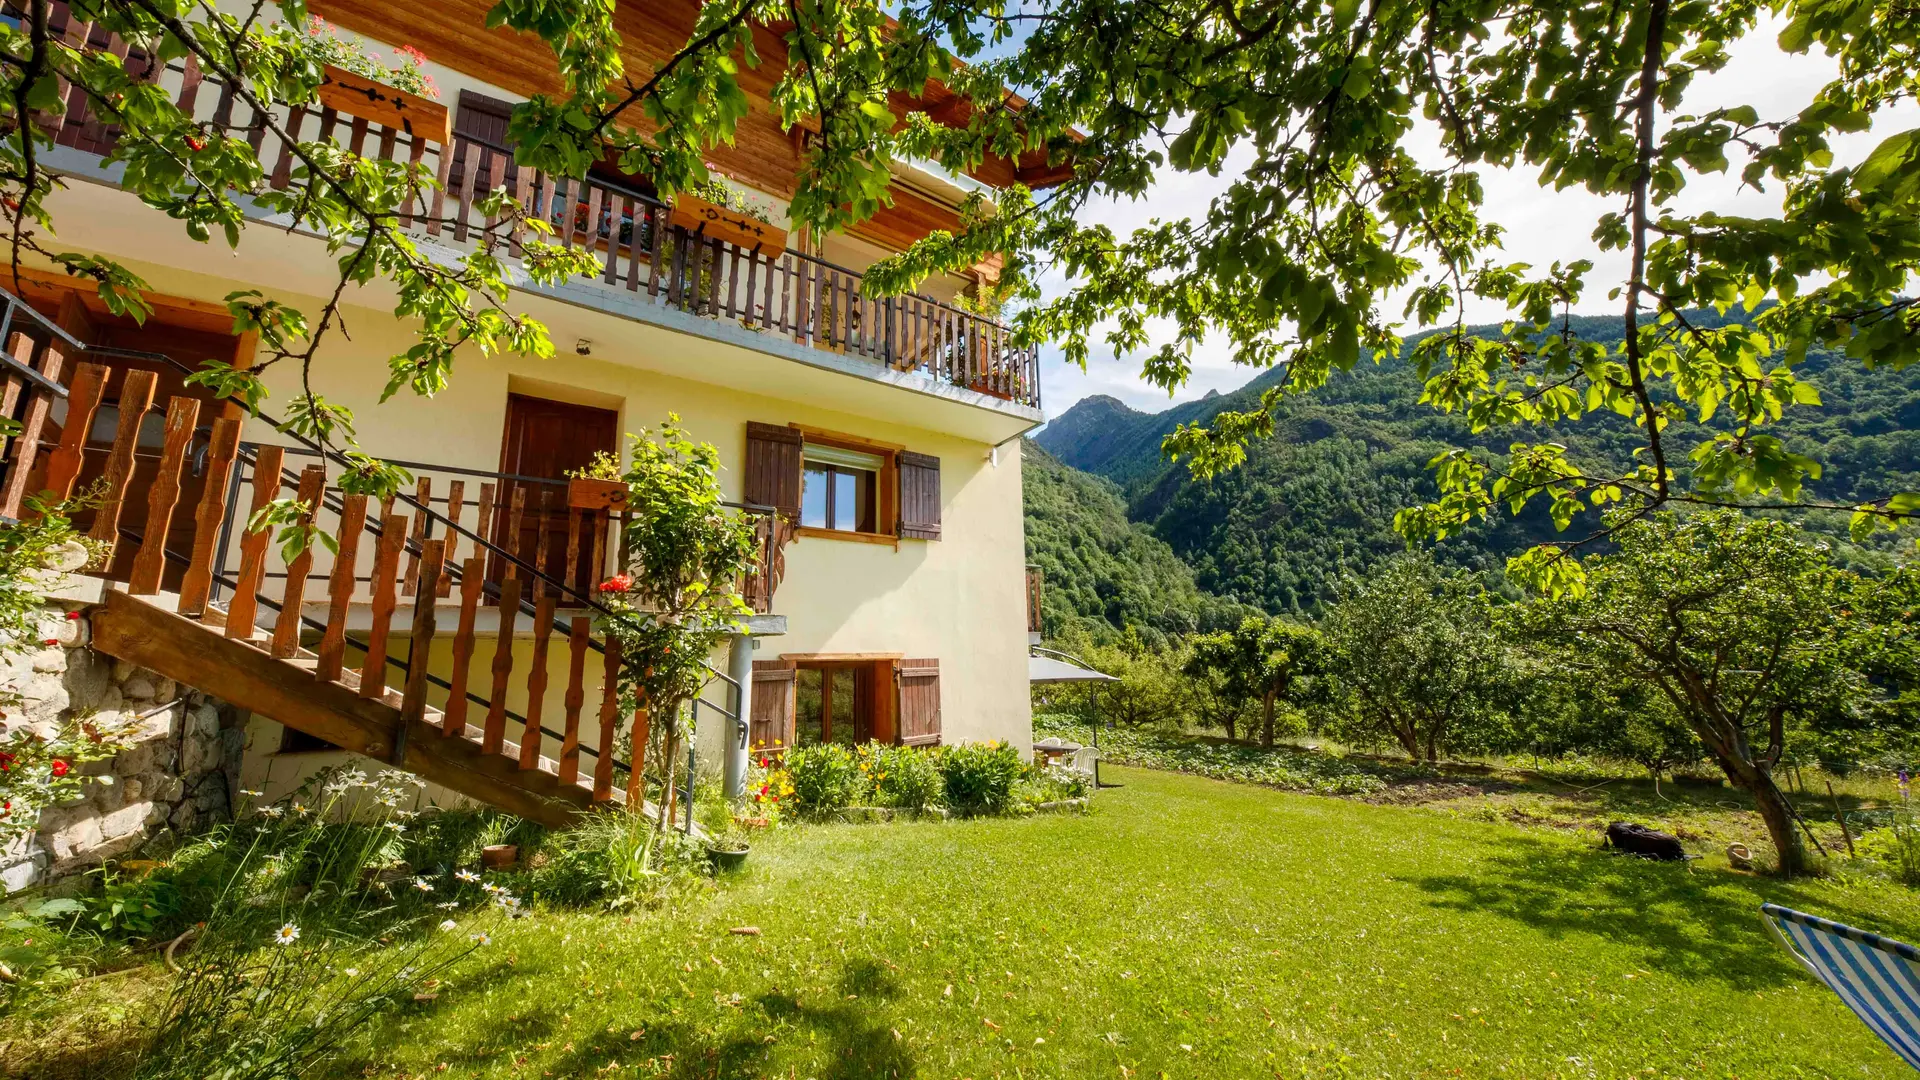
{"type": "Point", "coordinates": [1317, 500]}
{"type": "Point", "coordinates": [1103, 571]}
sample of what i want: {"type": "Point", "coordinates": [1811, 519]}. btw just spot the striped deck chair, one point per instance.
{"type": "Point", "coordinates": [1878, 978]}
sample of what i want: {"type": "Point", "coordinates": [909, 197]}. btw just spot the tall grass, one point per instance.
{"type": "Point", "coordinates": [315, 926]}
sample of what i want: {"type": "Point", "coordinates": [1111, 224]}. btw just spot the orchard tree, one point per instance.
{"type": "Point", "coordinates": [1269, 660]}
{"type": "Point", "coordinates": [1736, 622]}
{"type": "Point", "coordinates": [1415, 653]}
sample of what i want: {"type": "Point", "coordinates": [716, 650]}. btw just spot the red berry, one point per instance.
{"type": "Point", "coordinates": [195, 144]}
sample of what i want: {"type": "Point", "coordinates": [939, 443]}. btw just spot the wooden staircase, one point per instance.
{"type": "Point", "coordinates": [276, 650]}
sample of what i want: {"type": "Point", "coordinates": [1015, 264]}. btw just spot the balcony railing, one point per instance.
{"type": "Point", "coordinates": [790, 295]}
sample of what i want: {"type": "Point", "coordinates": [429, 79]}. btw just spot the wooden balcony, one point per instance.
{"type": "Point", "coordinates": [639, 249]}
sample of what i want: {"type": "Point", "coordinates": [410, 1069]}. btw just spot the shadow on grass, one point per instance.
{"type": "Point", "coordinates": [855, 1041]}
{"type": "Point", "coordinates": [1698, 924]}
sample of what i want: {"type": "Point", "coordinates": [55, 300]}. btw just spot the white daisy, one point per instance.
{"type": "Point", "coordinates": [271, 811]}
{"type": "Point", "coordinates": [423, 884]}
{"type": "Point", "coordinates": [448, 925]}
{"type": "Point", "coordinates": [396, 826]}
{"type": "Point", "coordinates": [466, 875]}
{"type": "Point", "coordinates": [287, 935]}
{"type": "Point", "coordinates": [448, 905]}
{"type": "Point", "coordinates": [481, 939]}
{"type": "Point", "coordinates": [351, 973]}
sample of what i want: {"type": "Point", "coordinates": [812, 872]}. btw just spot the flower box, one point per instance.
{"type": "Point", "coordinates": [597, 494]}
{"type": "Point", "coordinates": [357, 95]}
{"type": "Point", "coordinates": [742, 230]}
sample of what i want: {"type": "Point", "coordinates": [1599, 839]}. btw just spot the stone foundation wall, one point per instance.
{"type": "Point", "coordinates": [175, 777]}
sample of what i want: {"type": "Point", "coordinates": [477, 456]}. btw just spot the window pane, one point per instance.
{"type": "Point", "coordinates": [845, 732]}
{"type": "Point", "coordinates": [813, 497]}
{"type": "Point", "coordinates": [863, 507]}
{"type": "Point", "coordinates": [807, 707]}
{"type": "Point", "coordinates": [846, 500]}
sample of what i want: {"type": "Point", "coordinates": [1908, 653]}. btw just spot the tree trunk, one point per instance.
{"type": "Point", "coordinates": [1266, 721]}
{"type": "Point", "coordinates": [1229, 723]}
{"type": "Point", "coordinates": [1787, 842]}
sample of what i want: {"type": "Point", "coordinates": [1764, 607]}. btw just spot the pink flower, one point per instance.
{"type": "Point", "coordinates": [413, 54]}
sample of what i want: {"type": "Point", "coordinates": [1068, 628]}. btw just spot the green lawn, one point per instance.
{"type": "Point", "coordinates": [1186, 927]}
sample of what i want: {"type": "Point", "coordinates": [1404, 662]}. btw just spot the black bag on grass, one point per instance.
{"type": "Point", "coordinates": [1645, 842]}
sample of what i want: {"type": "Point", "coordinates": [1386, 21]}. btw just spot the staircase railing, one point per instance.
{"type": "Point", "coordinates": [39, 349]}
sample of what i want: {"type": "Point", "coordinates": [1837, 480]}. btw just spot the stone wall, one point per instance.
{"type": "Point", "coordinates": [175, 777]}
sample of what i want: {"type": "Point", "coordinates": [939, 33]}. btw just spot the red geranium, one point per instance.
{"type": "Point", "coordinates": [6, 761]}
{"type": "Point", "coordinates": [617, 583]}
{"type": "Point", "coordinates": [60, 768]}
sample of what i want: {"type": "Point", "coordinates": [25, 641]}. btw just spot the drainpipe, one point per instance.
{"type": "Point", "coordinates": [734, 757]}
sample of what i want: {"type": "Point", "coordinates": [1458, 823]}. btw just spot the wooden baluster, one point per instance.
{"type": "Point", "coordinates": [609, 717]}
{"type": "Point", "coordinates": [484, 528]}
{"type": "Point", "coordinates": [517, 508]}
{"type": "Point", "coordinates": [190, 81]}
{"type": "Point", "coordinates": [162, 496]}
{"type": "Point", "coordinates": [656, 248]}
{"type": "Point", "coordinates": [713, 277]}
{"type": "Point", "coordinates": [283, 165]}
{"type": "Point", "coordinates": [590, 225]}
{"type": "Point", "coordinates": [473, 577]}
{"type": "Point", "coordinates": [601, 520]}
{"type": "Point", "coordinates": [537, 679]}
{"type": "Point", "coordinates": [637, 777]}
{"type": "Point", "coordinates": [253, 545]}
{"type": "Point", "coordinates": [422, 494]}
{"type": "Point", "coordinates": [417, 149]}
{"type": "Point", "coordinates": [496, 179]}
{"type": "Point", "coordinates": [357, 137]}
{"type": "Point", "coordinates": [212, 514]}
{"type": "Point", "coordinates": [494, 739]}
{"type": "Point", "coordinates": [21, 347]}
{"type": "Point", "coordinates": [753, 287]}
{"type": "Point", "coordinates": [438, 210]}
{"type": "Point", "coordinates": [636, 213]}
{"type": "Point", "coordinates": [26, 445]}
{"type": "Point", "coordinates": [850, 297]}
{"type": "Point", "coordinates": [463, 199]}
{"type": "Point", "coordinates": [136, 395]}
{"type": "Point", "coordinates": [578, 637]}
{"type": "Point", "coordinates": [542, 497]}
{"type": "Point", "coordinates": [614, 205]}
{"type": "Point", "coordinates": [333, 639]}
{"type": "Point", "coordinates": [733, 280]}
{"type": "Point", "coordinates": [456, 504]}
{"type": "Point", "coordinates": [387, 138]}
{"type": "Point", "coordinates": [570, 571]}
{"type": "Point", "coordinates": [517, 233]}
{"type": "Point", "coordinates": [676, 276]}
{"type": "Point", "coordinates": [386, 564]}
{"type": "Point", "coordinates": [413, 700]}
{"type": "Point", "coordinates": [83, 400]}
{"type": "Point", "coordinates": [286, 628]}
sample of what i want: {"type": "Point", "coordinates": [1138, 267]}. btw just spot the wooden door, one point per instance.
{"type": "Point", "coordinates": [918, 707]}
{"type": "Point", "coordinates": [547, 439]}
{"type": "Point", "coordinates": [771, 725]}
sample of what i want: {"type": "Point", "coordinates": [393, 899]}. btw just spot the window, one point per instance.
{"type": "Point", "coordinates": [839, 489]}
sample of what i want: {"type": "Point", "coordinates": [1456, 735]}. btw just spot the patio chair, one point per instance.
{"type": "Point", "coordinates": [1878, 978]}
{"type": "Point", "coordinates": [1084, 759]}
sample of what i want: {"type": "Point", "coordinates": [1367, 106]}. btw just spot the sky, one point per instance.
{"type": "Point", "coordinates": [1542, 225]}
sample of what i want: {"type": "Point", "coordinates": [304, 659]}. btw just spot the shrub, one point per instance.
{"type": "Point", "coordinates": [902, 776]}
{"type": "Point", "coordinates": [824, 777]}
{"type": "Point", "coordinates": [979, 777]}
{"type": "Point", "coordinates": [1897, 846]}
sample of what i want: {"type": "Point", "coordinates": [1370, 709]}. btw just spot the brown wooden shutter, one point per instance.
{"type": "Point", "coordinates": [773, 468]}
{"type": "Point", "coordinates": [919, 496]}
{"type": "Point", "coordinates": [918, 687]}
{"type": "Point", "coordinates": [771, 725]}
{"type": "Point", "coordinates": [485, 119]}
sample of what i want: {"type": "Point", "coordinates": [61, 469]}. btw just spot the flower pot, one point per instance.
{"type": "Point", "coordinates": [499, 856]}
{"type": "Point", "coordinates": [359, 96]}
{"type": "Point", "coordinates": [597, 494]}
{"type": "Point", "coordinates": [724, 859]}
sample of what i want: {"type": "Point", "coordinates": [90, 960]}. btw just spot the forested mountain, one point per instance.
{"type": "Point", "coordinates": [1103, 571]}
{"type": "Point", "coordinates": [1318, 499]}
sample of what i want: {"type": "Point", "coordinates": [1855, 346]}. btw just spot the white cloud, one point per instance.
{"type": "Point", "coordinates": [1542, 225]}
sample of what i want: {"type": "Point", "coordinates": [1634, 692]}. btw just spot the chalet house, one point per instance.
{"type": "Point", "coordinates": [874, 439]}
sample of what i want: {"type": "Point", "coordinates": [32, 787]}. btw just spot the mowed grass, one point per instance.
{"type": "Point", "coordinates": [1187, 928]}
